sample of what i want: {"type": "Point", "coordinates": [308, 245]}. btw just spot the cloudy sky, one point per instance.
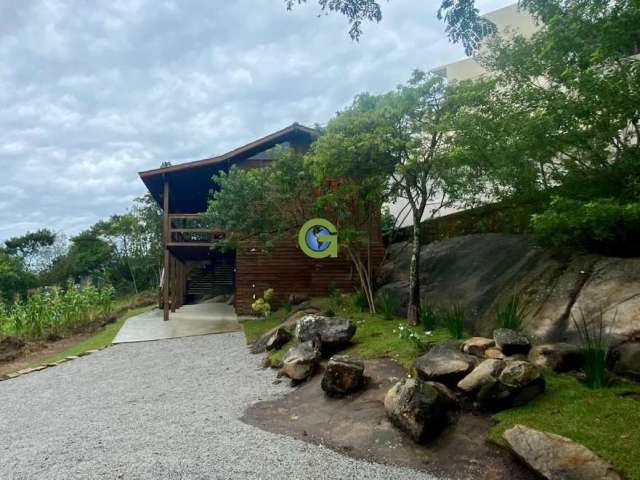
{"type": "Point", "coordinates": [93, 92]}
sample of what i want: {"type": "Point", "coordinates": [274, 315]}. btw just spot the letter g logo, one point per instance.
{"type": "Point", "coordinates": [318, 238]}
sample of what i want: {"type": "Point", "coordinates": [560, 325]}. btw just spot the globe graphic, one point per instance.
{"type": "Point", "coordinates": [311, 238]}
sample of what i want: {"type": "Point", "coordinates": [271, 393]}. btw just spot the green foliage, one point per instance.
{"type": "Point", "coordinates": [512, 313]}
{"type": "Point", "coordinates": [263, 305]}
{"type": "Point", "coordinates": [33, 248]}
{"type": "Point", "coordinates": [592, 335]}
{"type": "Point", "coordinates": [410, 335]}
{"type": "Point", "coordinates": [14, 278]}
{"type": "Point", "coordinates": [463, 22]}
{"type": "Point", "coordinates": [597, 419]}
{"type": "Point", "coordinates": [453, 319]}
{"type": "Point", "coordinates": [558, 117]}
{"type": "Point", "coordinates": [360, 301]}
{"type": "Point", "coordinates": [56, 312]}
{"type": "Point", "coordinates": [606, 226]}
{"type": "Point", "coordinates": [428, 318]}
{"type": "Point", "coordinates": [389, 304]}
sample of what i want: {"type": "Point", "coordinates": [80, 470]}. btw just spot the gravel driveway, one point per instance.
{"type": "Point", "coordinates": [160, 410]}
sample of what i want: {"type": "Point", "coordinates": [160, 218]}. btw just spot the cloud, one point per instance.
{"type": "Point", "coordinates": [93, 92]}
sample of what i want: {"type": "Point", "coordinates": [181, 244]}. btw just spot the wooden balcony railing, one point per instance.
{"type": "Point", "coordinates": [189, 229]}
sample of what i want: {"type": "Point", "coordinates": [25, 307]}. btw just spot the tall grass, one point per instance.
{"type": "Point", "coordinates": [594, 344]}
{"type": "Point", "coordinates": [51, 313]}
{"type": "Point", "coordinates": [511, 314]}
{"type": "Point", "coordinates": [453, 318]}
{"type": "Point", "coordinates": [428, 318]}
{"type": "Point", "coordinates": [389, 305]}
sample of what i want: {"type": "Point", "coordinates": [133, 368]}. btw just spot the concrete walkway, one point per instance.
{"type": "Point", "coordinates": [190, 320]}
{"type": "Point", "coordinates": [165, 410]}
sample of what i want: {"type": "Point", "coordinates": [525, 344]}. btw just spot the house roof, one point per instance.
{"type": "Point", "coordinates": [190, 182]}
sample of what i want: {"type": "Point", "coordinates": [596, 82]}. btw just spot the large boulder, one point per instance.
{"type": "Point", "coordinates": [333, 333]}
{"type": "Point", "coordinates": [444, 363]}
{"type": "Point", "coordinates": [477, 346]}
{"type": "Point", "coordinates": [511, 342]}
{"type": "Point", "coordinates": [559, 357]}
{"type": "Point", "coordinates": [300, 362]}
{"type": "Point", "coordinates": [420, 409]}
{"type": "Point", "coordinates": [487, 372]}
{"type": "Point", "coordinates": [482, 272]}
{"type": "Point", "coordinates": [554, 457]}
{"type": "Point", "coordinates": [624, 359]}
{"type": "Point", "coordinates": [518, 384]}
{"type": "Point", "coordinates": [343, 376]}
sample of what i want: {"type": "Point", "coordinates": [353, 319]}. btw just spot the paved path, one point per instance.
{"type": "Point", "coordinates": [190, 320]}
{"type": "Point", "coordinates": [157, 410]}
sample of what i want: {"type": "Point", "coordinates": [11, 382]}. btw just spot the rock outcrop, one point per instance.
{"type": "Point", "coordinates": [519, 383]}
{"type": "Point", "coordinates": [343, 376]}
{"type": "Point", "coordinates": [624, 359]}
{"type": "Point", "coordinates": [554, 457]}
{"type": "Point", "coordinates": [482, 272]}
{"type": "Point", "coordinates": [511, 342]}
{"type": "Point", "coordinates": [420, 409]}
{"type": "Point", "coordinates": [487, 372]}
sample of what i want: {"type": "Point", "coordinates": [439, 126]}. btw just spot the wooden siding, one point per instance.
{"type": "Point", "coordinates": [287, 270]}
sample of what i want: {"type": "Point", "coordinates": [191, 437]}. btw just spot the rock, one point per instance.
{"type": "Point", "coordinates": [559, 357]}
{"type": "Point", "coordinates": [624, 359]}
{"type": "Point", "coordinates": [260, 345]}
{"type": "Point", "coordinates": [445, 364]}
{"type": "Point", "coordinates": [343, 376]}
{"type": "Point", "coordinates": [511, 342]}
{"type": "Point", "coordinates": [494, 353]}
{"type": "Point", "coordinates": [488, 371]}
{"type": "Point", "coordinates": [477, 346]}
{"type": "Point", "coordinates": [277, 339]}
{"type": "Point", "coordinates": [518, 384]}
{"type": "Point", "coordinates": [332, 332]}
{"type": "Point", "coordinates": [554, 457]}
{"type": "Point", "coordinates": [420, 409]}
{"type": "Point", "coordinates": [300, 362]}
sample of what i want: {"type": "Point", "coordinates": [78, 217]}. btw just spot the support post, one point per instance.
{"type": "Point", "coordinates": [174, 283]}
{"type": "Point", "coordinates": [166, 232]}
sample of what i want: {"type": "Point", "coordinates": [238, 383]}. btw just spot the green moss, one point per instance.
{"type": "Point", "coordinates": [99, 340]}
{"type": "Point", "coordinates": [603, 420]}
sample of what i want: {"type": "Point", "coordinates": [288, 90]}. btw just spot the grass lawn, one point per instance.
{"type": "Point", "coordinates": [374, 338]}
{"type": "Point", "coordinates": [602, 420]}
{"type": "Point", "coordinates": [101, 339]}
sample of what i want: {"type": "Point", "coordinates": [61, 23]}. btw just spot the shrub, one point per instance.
{"type": "Point", "coordinates": [511, 314]}
{"type": "Point", "coordinates": [602, 225]}
{"type": "Point", "coordinates": [388, 304]}
{"type": "Point", "coordinates": [262, 305]}
{"type": "Point", "coordinates": [592, 335]}
{"type": "Point", "coordinates": [429, 318]}
{"type": "Point", "coordinates": [408, 334]}
{"type": "Point", "coordinates": [453, 318]}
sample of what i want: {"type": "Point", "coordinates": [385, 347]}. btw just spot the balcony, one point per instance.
{"type": "Point", "coordinates": [189, 229]}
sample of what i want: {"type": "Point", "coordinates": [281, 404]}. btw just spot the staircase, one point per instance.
{"type": "Point", "coordinates": [210, 279]}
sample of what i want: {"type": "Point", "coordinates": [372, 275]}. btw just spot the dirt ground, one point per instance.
{"type": "Point", "coordinates": [358, 427]}
{"type": "Point", "coordinates": [35, 352]}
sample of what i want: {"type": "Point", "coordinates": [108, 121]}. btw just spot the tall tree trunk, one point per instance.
{"type": "Point", "coordinates": [414, 308]}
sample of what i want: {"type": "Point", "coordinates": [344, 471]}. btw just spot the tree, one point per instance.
{"type": "Point", "coordinates": [463, 22]}
{"type": "Point", "coordinates": [14, 278]}
{"type": "Point", "coordinates": [33, 248]}
{"type": "Point", "coordinates": [560, 117]}
{"type": "Point", "coordinates": [269, 204]}
{"type": "Point", "coordinates": [396, 145]}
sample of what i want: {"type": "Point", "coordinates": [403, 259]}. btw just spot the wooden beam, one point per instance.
{"type": "Point", "coordinates": [174, 297]}
{"type": "Point", "coordinates": [166, 231]}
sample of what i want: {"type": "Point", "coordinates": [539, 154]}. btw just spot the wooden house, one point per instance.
{"type": "Point", "coordinates": [195, 265]}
